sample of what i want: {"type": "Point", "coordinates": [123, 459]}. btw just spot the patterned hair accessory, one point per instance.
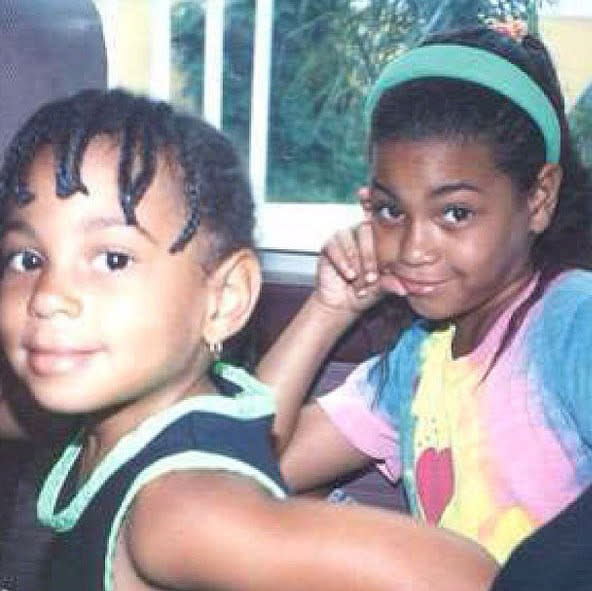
{"type": "Point", "coordinates": [513, 28]}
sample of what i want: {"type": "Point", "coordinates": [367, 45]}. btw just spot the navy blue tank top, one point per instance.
{"type": "Point", "coordinates": [206, 432]}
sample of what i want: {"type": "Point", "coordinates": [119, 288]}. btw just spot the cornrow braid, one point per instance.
{"type": "Point", "coordinates": [214, 184]}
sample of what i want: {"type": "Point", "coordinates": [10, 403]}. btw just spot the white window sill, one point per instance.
{"type": "Point", "coordinates": [290, 236]}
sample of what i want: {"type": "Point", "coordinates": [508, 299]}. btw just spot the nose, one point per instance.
{"type": "Point", "coordinates": [54, 295]}
{"type": "Point", "coordinates": [418, 244]}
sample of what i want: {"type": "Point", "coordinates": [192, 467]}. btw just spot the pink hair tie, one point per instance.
{"type": "Point", "coordinates": [514, 28]}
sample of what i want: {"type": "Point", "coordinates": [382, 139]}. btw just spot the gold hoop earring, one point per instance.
{"type": "Point", "coordinates": [215, 349]}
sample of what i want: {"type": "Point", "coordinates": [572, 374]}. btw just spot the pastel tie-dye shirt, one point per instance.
{"type": "Point", "coordinates": [489, 451]}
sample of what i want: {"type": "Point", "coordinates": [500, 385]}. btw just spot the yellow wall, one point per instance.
{"type": "Point", "coordinates": [127, 25]}
{"type": "Point", "coordinates": [127, 29]}
{"type": "Point", "coordinates": [570, 42]}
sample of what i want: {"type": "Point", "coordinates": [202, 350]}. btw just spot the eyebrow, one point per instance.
{"type": "Point", "coordinates": [102, 223]}
{"type": "Point", "coordinates": [377, 185]}
{"type": "Point", "coordinates": [454, 187]}
{"type": "Point", "coordinates": [437, 192]}
{"type": "Point", "coordinates": [17, 226]}
{"type": "Point", "coordinates": [94, 224]}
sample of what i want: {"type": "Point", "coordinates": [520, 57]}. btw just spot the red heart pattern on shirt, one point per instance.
{"type": "Point", "coordinates": [435, 482]}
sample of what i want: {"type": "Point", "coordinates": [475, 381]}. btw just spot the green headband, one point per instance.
{"type": "Point", "coordinates": [478, 66]}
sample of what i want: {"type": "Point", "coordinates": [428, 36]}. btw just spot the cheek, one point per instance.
{"type": "Point", "coordinates": [472, 254]}
{"type": "Point", "coordinates": [13, 308]}
{"type": "Point", "coordinates": [169, 313]}
{"type": "Point", "coordinates": [386, 243]}
{"type": "Point", "coordinates": [488, 254]}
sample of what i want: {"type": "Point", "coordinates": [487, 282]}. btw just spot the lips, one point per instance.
{"type": "Point", "coordinates": [46, 361]}
{"type": "Point", "coordinates": [392, 281]}
{"type": "Point", "coordinates": [420, 286]}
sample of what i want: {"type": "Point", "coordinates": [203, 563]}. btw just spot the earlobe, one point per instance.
{"type": "Point", "coordinates": [543, 198]}
{"type": "Point", "coordinates": [234, 288]}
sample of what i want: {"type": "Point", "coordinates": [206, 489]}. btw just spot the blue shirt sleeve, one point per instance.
{"type": "Point", "coordinates": [562, 348]}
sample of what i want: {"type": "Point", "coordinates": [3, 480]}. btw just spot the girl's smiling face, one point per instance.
{"type": "Point", "coordinates": [449, 225]}
{"type": "Point", "coordinates": [95, 312]}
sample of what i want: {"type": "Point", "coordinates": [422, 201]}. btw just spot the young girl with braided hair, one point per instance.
{"type": "Point", "coordinates": [478, 214]}
{"type": "Point", "coordinates": [127, 252]}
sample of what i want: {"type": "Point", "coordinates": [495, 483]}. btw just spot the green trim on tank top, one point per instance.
{"type": "Point", "coordinates": [255, 401]}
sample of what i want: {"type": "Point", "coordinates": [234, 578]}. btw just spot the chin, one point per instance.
{"type": "Point", "coordinates": [59, 400]}
{"type": "Point", "coordinates": [431, 312]}
{"type": "Point", "coordinates": [58, 408]}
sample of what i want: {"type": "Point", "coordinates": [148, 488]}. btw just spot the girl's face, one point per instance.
{"type": "Point", "coordinates": [448, 225]}
{"type": "Point", "coordinates": [95, 312]}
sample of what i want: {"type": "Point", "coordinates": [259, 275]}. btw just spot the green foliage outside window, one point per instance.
{"type": "Point", "coordinates": [580, 119]}
{"type": "Point", "coordinates": [325, 55]}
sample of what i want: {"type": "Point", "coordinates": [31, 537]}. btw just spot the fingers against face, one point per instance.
{"type": "Point", "coordinates": [369, 264]}
{"type": "Point", "coordinates": [352, 254]}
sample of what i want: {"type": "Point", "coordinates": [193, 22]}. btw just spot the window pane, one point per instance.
{"type": "Point", "coordinates": [188, 39]}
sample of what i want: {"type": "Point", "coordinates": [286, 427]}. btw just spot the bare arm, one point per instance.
{"type": "Point", "coordinates": [291, 364]}
{"type": "Point", "coordinates": [346, 286]}
{"type": "Point", "coordinates": [318, 453]}
{"type": "Point", "coordinates": [214, 531]}
{"type": "Point", "coordinates": [312, 450]}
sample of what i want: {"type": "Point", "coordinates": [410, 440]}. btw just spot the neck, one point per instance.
{"type": "Point", "coordinates": [106, 427]}
{"type": "Point", "coordinates": [473, 326]}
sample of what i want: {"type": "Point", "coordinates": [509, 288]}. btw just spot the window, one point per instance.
{"type": "Point", "coordinates": [286, 80]}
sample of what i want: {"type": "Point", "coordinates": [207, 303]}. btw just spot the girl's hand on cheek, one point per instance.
{"type": "Point", "coordinates": [347, 274]}
{"type": "Point", "coordinates": [390, 283]}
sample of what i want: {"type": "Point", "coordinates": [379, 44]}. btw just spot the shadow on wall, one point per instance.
{"type": "Point", "coordinates": [48, 49]}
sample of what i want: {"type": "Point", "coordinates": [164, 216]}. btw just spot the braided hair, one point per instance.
{"type": "Point", "coordinates": [215, 188]}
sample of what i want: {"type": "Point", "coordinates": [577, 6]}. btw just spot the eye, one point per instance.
{"type": "Point", "coordinates": [22, 261]}
{"type": "Point", "coordinates": [456, 214]}
{"type": "Point", "coordinates": [387, 212]}
{"type": "Point", "coordinates": [111, 261]}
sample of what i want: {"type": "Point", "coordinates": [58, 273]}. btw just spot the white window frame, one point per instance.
{"type": "Point", "coordinates": [285, 251]}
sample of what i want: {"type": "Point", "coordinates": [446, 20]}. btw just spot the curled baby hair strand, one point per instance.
{"type": "Point", "coordinates": [215, 188]}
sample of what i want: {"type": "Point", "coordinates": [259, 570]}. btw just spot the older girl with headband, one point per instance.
{"type": "Point", "coordinates": [478, 213]}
